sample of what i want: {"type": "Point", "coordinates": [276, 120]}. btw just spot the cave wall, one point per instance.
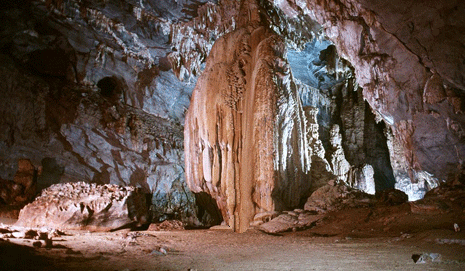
{"type": "Point", "coordinates": [408, 57]}
{"type": "Point", "coordinates": [328, 87]}
{"type": "Point", "coordinates": [88, 93]}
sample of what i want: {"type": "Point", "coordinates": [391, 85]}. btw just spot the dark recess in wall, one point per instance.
{"type": "Point", "coordinates": [52, 62]}
{"type": "Point", "coordinates": [51, 173]}
{"type": "Point", "coordinates": [377, 152]}
{"type": "Point", "coordinates": [208, 211]}
{"type": "Point", "coordinates": [108, 87]}
{"type": "Point", "coordinates": [355, 118]}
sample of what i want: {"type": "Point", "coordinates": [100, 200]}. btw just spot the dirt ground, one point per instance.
{"type": "Point", "coordinates": [336, 243]}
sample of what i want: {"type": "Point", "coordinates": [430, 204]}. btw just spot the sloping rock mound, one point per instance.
{"type": "Point", "coordinates": [334, 196]}
{"type": "Point", "coordinates": [86, 206]}
{"type": "Point", "coordinates": [293, 220]}
{"type": "Point", "coordinates": [447, 198]}
{"type": "Point", "coordinates": [391, 197]}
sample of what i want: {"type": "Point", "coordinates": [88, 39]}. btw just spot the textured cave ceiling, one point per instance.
{"type": "Point", "coordinates": [98, 91]}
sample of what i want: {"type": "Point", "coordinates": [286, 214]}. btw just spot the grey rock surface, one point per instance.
{"type": "Point", "coordinates": [89, 95]}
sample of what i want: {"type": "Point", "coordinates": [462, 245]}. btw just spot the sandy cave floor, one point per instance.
{"type": "Point", "coordinates": [313, 249]}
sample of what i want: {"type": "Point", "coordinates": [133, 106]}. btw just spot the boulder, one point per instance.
{"type": "Point", "coordinates": [335, 196]}
{"type": "Point", "coordinates": [290, 221]}
{"type": "Point", "coordinates": [86, 206]}
{"type": "Point", "coordinates": [448, 197]}
{"type": "Point", "coordinates": [391, 197]}
{"type": "Point", "coordinates": [322, 199]}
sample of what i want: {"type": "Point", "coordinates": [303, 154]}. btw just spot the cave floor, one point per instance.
{"type": "Point", "coordinates": [226, 250]}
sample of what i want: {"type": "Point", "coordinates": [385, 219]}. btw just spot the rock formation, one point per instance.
{"type": "Point", "coordinates": [86, 206]}
{"type": "Point", "coordinates": [349, 136]}
{"type": "Point", "coordinates": [320, 171]}
{"type": "Point", "coordinates": [20, 191]}
{"type": "Point", "coordinates": [291, 220]}
{"type": "Point", "coordinates": [98, 92]}
{"type": "Point", "coordinates": [87, 95]}
{"type": "Point", "coordinates": [340, 165]}
{"type": "Point", "coordinates": [408, 58]}
{"type": "Point", "coordinates": [245, 129]}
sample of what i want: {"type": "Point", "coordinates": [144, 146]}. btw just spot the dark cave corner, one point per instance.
{"type": "Point", "coordinates": [208, 212]}
{"type": "Point", "coordinates": [327, 84]}
{"type": "Point", "coordinates": [51, 173]}
{"type": "Point", "coordinates": [377, 151]}
{"type": "Point", "coordinates": [109, 87]}
{"type": "Point", "coordinates": [363, 137]}
{"type": "Point", "coordinates": [112, 88]}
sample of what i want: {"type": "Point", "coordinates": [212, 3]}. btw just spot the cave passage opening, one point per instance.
{"type": "Point", "coordinates": [327, 83]}
{"type": "Point", "coordinates": [109, 87]}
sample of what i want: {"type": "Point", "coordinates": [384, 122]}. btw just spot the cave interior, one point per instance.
{"type": "Point", "coordinates": [275, 116]}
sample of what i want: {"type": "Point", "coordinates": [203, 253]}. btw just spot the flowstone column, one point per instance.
{"type": "Point", "coordinates": [244, 131]}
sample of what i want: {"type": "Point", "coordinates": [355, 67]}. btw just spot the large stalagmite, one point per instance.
{"type": "Point", "coordinates": [244, 131]}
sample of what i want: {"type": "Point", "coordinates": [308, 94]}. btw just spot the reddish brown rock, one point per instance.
{"type": "Point", "coordinates": [447, 198]}
{"type": "Point", "coordinates": [391, 197]}
{"type": "Point", "coordinates": [167, 225]}
{"type": "Point", "coordinates": [22, 189]}
{"type": "Point", "coordinates": [26, 176]}
{"type": "Point", "coordinates": [86, 206]}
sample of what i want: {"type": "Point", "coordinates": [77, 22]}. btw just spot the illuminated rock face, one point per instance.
{"type": "Point", "coordinates": [245, 137]}
{"type": "Point", "coordinates": [408, 58]}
